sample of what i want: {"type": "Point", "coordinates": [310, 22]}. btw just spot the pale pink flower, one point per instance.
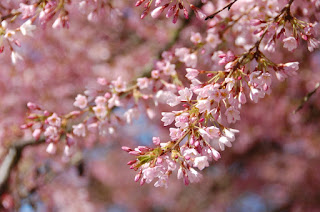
{"type": "Point", "coordinates": [192, 73]}
{"type": "Point", "coordinates": [9, 35]}
{"type": "Point", "coordinates": [254, 78]}
{"type": "Point", "coordinates": [230, 133]}
{"type": "Point", "coordinates": [204, 134]}
{"type": "Point", "coordinates": [193, 175]}
{"type": "Point", "coordinates": [100, 100]}
{"type": "Point", "coordinates": [255, 94]}
{"type": "Point", "coordinates": [190, 154]}
{"type": "Point", "coordinates": [230, 83]}
{"type": "Point", "coordinates": [224, 93]}
{"type": "Point", "coordinates": [155, 74]}
{"type": "Point", "coordinates": [213, 132]}
{"type": "Point", "coordinates": [51, 133]}
{"type": "Point", "coordinates": [162, 181]}
{"type": "Point", "coordinates": [232, 114]}
{"type": "Point", "coordinates": [156, 141]}
{"type": "Point", "coordinates": [169, 69]}
{"type": "Point", "coordinates": [185, 94]}
{"type": "Point", "coordinates": [114, 101]}
{"type": "Point", "coordinates": [229, 66]}
{"type": "Point", "coordinates": [15, 56]}
{"type": "Point", "coordinates": [226, 58]}
{"type": "Point", "coordinates": [150, 173]}
{"type": "Point", "coordinates": [313, 44]}
{"type": "Point", "coordinates": [290, 43]}
{"type": "Point", "coordinates": [265, 79]}
{"type": "Point", "coordinates": [26, 28]}
{"type": "Point", "coordinates": [181, 53]}
{"type": "Point", "coordinates": [205, 91]}
{"type": "Point", "coordinates": [270, 47]}
{"type": "Point", "coordinates": [100, 111]}
{"type": "Point", "coordinates": [211, 153]}
{"type": "Point", "coordinates": [119, 85]}
{"type": "Point", "coordinates": [213, 40]}
{"type": "Point", "coordinates": [280, 75]}
{"type": "Point", "coordinates": [79, 130]}
{"type": "Point", "coordinates": [26, 10]}
{"type": "Point", "coordinates": [291, 68]}
{"type": "Point", "coordinates": [168, 118]}
{"type": "Point", "coordinates": [215, 95]}
{"type": "Point", "coordinates": [201, 162]}
{"type": "Point", "coordinates": [182, 120]}
{"type": "Point", "coordinates": [80, 101]}
{"type": "Point", "coordinates": [191, 60]}
{"type": "Point", "coordinates": [224, 141]}
{"type": "Point", "coordinates": [203, 105]}
{"type": "Point", "coordinates": [175, 133]}
{"type": "Point", "coordinates": [143, 83]}
{"type": "Point", "coordinates": [196, 37]}
{"type": "Point", "coordinates": [172, 99]}
{"type": "Point", "coordinates": [54, 120]}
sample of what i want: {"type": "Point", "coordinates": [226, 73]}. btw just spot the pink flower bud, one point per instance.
{"type": "Point", "coordinates": [36, 134]}
{"type": "Point", "coordinates": [75, 113]}
{"type": "Point", "coordinates": [170, 12]}
{"type": "Point", "coordinates": [145, 13]}
{"type": "Point", "coordinates": [138, 3]}
{"type": "Point", "coordinates": [157, 11]}
{"type": "Point", "coordinates": [51, 149]}
{"type": "Point", "coordinates": [135, 153]}
{"type": "Point", "coordinates": [242, 98]}
{"type": "Point", "coordinates": [26, 126]}
{"type": "Point", "coordinates": [185, 13]}
{"type": "Point", "coordinates": [137, 177]}
{"type": "Point", "coordinates": [127, 149]}
{"type": "Point", "coordinates": [131, 162]}
{"type": "Point", "coordinates": [143, 148]}
{"type": "Point", "coordinates": [156, 141]}
{"type": "Point", "coordinates": [175, 17]}
{"type": "Point", "coordinates": [32, 106]}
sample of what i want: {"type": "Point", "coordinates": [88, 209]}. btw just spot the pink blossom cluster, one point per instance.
{"type": "Point", "coordinates": [205, 102]}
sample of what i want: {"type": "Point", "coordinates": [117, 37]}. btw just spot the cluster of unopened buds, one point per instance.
{"type": "Point", "coordinates": [173, 9]}
{"type": "Point", "coordinates": [208, 102]}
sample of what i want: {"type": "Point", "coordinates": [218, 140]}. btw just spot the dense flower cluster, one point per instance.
{"type": "Point", "coordinates": [205, 102]}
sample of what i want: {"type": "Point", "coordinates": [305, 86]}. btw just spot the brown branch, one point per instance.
{"type": "Point", "coordinates": [11, 160]}
{"type": "Point", "coordinates": [306, 98]}
{"type": "Point", "coordinates": [216, 13]}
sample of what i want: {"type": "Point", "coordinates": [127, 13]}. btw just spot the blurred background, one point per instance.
{"type": "Point", "coordinates": [272, 166]}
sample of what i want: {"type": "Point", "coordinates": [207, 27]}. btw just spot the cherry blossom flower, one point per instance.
{"type": "Point", "coordinates": [26, 28]}
{"type": "Point", "coordinates": [54, 120]}
{"type": "Point", "coordinates": [201, 162]}
{"type": "Point", "coordinates": [168, 118]}
{"type": "Point", "coordinates": [81, 101]}
{"type": "Point", "coordinates": [290, 43]}
{"type": "Point", "coordinates": [79, 130]}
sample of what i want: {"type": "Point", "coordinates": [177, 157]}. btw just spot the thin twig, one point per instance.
{"type": "Point", "coordinates": [216, 13]}
{"type": "Point", "coordinates": [307, 97]}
